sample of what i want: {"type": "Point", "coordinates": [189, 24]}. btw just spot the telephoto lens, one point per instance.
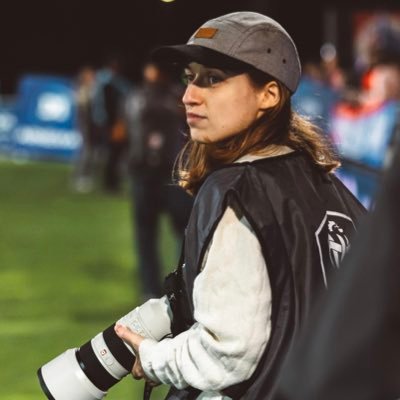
{"type": "Point", "coordinates": [88, 372]}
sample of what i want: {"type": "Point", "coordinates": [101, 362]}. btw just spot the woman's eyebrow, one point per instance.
{"type": "Point", "coordinates": [211, 69]}
{"type": "Point", "coordinates": [190, 69]}
{"type": "Point", "coordinates": [225, 72]}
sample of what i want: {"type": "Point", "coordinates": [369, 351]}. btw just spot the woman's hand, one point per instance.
{"type": "Point", "coordinates": [134, 340]}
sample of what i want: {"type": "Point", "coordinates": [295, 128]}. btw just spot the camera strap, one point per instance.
{"type": "Point", "coordinates": [147, 391]}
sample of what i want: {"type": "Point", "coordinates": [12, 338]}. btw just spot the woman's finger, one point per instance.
{"type": "Point", "coordinates": [137, 370]}
{"type": "Point", "coordinates": [124, 332]}
{"type": "Point", "coordinates": [128, 336]}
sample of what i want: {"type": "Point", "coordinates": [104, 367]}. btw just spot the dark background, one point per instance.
{"type": "Point", "coordinates": [58, 37]}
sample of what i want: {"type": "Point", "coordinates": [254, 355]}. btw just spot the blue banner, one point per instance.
{"type": "Point", "coordinates": [46, 116]}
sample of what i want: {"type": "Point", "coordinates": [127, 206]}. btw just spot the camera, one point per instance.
{"type": "Point", "coordinates": [88, 372]}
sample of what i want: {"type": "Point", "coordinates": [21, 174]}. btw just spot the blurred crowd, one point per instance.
{"type": "Point", "coordinates": [325, 84]}
{"type": "Point", "coordinates": [100, 96]}
{"type": "Point", "coordinates": [131, 136]}
{"type": "Point", "coordinates": [112, 113]}
{"type": "Point", "coordinates": [126, 127]}
{"type": "Point", "coordinates": [111, 110]}
{"type": "Point", "coordinates": [358, 107]}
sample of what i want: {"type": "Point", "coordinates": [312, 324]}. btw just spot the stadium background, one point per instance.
{"type": "Point", "coordinates": [66, 264]}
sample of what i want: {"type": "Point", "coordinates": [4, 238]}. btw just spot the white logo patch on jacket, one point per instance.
{"type": "Point", "coordinates": [332, 238]}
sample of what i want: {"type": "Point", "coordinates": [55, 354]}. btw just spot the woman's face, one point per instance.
{"type": "Point", "coordinates": [219, 104]}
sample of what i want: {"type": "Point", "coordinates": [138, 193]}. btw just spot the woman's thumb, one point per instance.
{"type": "Point", "coordinates": [123, 332]}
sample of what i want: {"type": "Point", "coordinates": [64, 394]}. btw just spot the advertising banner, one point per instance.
{"type": "Point", "coordinates": [46, 116]}
{"type": "Point", "coordinates": [8, 122]}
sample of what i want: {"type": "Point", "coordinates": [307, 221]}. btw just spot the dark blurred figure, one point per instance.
{"type": "Point", "coordinates": [333, 74]}
{"type": "Point", "coordinates": [92, 140]}
{"type": "Point", "coordinates": [350, 348]}
{"type": "Point", "coordinates": [155, 122]}
{"type": "Point", "coordinates": [108, 102]}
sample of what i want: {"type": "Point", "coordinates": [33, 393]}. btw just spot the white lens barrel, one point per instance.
{"type": "Point", "coordinates": [77, 374]}
{"type": "Point", "coordinates": [152, 319]}
{"type": "Point", "coordinates": [107, 359]}
{"type": "Point", "coordinates": [65, 380]}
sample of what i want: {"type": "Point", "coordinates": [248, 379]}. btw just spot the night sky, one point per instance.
{"type": "Point", "coordinates": [57, 37]}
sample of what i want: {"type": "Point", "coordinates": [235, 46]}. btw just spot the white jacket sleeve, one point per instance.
{"type": "Point", "coordinates": [232, 309]}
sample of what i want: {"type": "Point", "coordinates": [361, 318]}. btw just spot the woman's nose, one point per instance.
{"type": "Point", "coordinates": [192, 95]}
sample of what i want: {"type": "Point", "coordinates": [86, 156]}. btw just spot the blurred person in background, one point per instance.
{"type": "Point", "coordinates": [381, 88]}
{"type": "Point", "coordinates": [155, 121]}
{"type": "Point", "coordinates": [334, 75]}
{"type": "Point", "coordinates": [377, 59]}
{"type": "Point", "coordinates": [323, 84]}
{"type": "Point", "coordinates": [381, 83]}
{"type": "Point", "coordinates": [269, 225]}
{"type": "Point", "coordinates": [110, 91]}
{"type": "Point", "coordinates": [92, 141]}
{"type": "Point", "coordinates": [378, 95]}
{"type": "Point", "coordinates": [377, 40]}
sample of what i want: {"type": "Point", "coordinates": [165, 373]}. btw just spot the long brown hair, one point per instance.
{"type": "Point", "coordinates": [279, 125]}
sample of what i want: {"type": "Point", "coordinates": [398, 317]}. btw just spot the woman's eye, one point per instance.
{"type": "Point", "coordinates": [187, 78]}
{"type": "Point", "coordinates": [214, 79]}
{"type": "Point", "coordinates": [205, 80]}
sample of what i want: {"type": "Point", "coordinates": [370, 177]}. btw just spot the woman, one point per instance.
{"type": "Point", "coordinates": [269, 224]}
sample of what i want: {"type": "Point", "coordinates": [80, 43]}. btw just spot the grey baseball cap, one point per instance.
{"type": "Point", "coordinates": [238, 40]}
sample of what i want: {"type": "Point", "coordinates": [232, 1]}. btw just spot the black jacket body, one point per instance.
{"type": "Point", "coordinates": [303, 219]}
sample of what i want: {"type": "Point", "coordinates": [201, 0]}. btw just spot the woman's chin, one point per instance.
{"type": "Point", "coordinates": [199, 137]}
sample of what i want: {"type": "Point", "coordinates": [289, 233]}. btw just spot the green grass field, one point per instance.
{"type": "Point", "coordinates": [67, 271]}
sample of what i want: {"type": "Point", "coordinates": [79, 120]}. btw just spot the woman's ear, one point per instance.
{"type": "Point", "coordinates": [270, 95]}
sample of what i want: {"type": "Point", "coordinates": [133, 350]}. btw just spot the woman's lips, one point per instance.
{"type": "Point", "coordinates": [192, 118]}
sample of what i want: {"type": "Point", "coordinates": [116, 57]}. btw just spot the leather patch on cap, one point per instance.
{"type": "Point", "coordinates": [206, 33]}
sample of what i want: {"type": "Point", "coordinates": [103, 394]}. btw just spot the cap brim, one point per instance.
{"type": "Point", "coordinates": [186, 53]}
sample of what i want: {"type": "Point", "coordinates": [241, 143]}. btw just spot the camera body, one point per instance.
{"type": "Point", "coordinates": [88, 372]}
